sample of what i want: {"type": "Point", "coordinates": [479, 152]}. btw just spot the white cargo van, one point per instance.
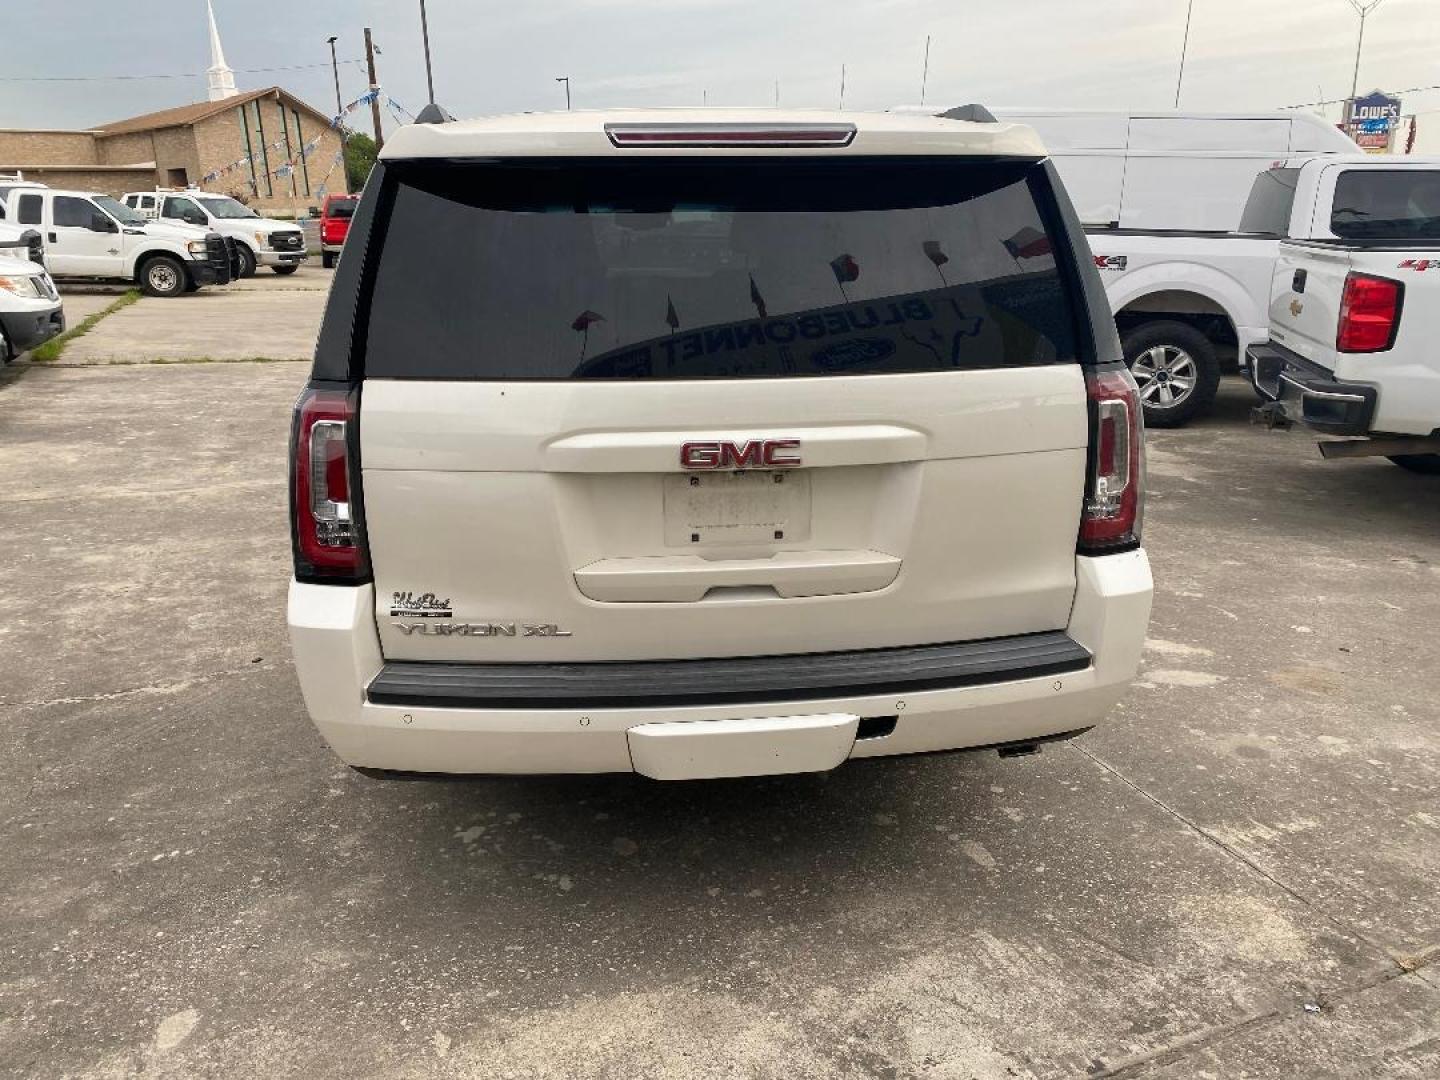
{"type": "Point", "coordinates": [713, 443]}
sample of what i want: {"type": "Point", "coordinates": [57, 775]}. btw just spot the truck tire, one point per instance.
{"type": "Point", "coordinates": [288, 268]}
{"type": "Point", "coordinates": [163, 275]}
{"type": "Point", "coordinates": [247, 261]}
{"type": "Point", "coordinates": [1429, 464]}
{"type": "Point", "coordinates": [327, 259]}
{"type": "Point", "coordinates": [1176, 369]}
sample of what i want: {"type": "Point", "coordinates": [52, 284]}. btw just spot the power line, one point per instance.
{"type": "Point", "coordinates": [171, 75]}
{"type": "Point", "coordinates": [1337, 101]}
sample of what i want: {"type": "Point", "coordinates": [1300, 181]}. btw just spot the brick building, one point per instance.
{"type": "Point", "coordinates": [252, 145]}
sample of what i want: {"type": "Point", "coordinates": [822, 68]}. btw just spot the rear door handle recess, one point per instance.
{"type": "Point", "coordinates": [1297, 283]}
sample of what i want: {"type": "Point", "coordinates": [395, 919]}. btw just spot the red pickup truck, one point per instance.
{"type": "Point", "coordinates": [334, 225]}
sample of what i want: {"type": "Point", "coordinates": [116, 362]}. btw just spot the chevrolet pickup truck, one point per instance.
{"type": "Point", "coordinates": [1354, 347]}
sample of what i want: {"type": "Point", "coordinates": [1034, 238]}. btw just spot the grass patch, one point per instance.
{"type": "Point", "coordinates": [174, 360]}
{"type": "Point", "coordinates": [52, 349]}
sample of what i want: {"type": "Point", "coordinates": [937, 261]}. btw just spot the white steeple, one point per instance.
{"type": "Point", "coordinates": [222, 79]}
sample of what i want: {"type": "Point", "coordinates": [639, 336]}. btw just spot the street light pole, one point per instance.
{"type": "Point", "coordinates": [339, 106]}
{"type": "Point", "coordinates": [335, 67]}
{"type": "Point", "coordinates": [925, 74]}
{"type": "Point", "coordinates": [566, 80]}
{"type": "Point", "coordinates": [425, 33]}
{"type": "Point", "coordinates": [1184, 46]}
{"type": "Point", "coordinates": [1361, 9]}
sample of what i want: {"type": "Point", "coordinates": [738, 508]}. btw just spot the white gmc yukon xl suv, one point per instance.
{"type": "Point", "coordinates": [716, 443]}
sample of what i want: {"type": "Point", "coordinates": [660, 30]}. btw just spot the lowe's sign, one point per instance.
{"type": "Point", "coordinates": [1375, 109]}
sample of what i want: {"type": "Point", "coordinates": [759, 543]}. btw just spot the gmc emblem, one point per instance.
{"type": "Point", "coordinates": [754, 454]}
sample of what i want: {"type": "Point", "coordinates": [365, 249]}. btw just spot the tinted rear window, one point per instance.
{"type": "Point", "coordinates": [1398, 204]}
{"type": "Point", "coordinates": [1271, 198]}
{"type": "Point", "coordinates": [344, 208]}
{"type": "Point", "coordinates": [707, 268]}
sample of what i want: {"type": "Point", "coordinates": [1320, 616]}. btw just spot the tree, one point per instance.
{"type": "Point", "coordinates": [359, 158]}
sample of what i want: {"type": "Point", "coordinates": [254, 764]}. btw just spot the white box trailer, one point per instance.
{"type": "Point", "coordinates": [1162, 196]}
{"type": "Point", "coordinates": [1171, 171]}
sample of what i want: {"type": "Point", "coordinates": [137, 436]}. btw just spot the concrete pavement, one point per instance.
{"type": "Point", "coordinates": [1234, 876]}
{"type": "Point", "coordinates": [267, 317]}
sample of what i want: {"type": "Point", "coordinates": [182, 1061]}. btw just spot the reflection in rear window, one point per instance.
{"type": "Point", "coordinates": [1391, 204]}
{"type": "Point", "coordinates": [715, 268]}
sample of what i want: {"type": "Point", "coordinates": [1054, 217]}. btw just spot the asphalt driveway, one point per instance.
{"type": "Point", "coordinates": [1235, 876]}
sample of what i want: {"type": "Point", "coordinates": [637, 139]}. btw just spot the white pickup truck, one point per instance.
{"type": "Point", "coordinates": [90, 235]}
{"type": "Point", "coordinates": [259, 241]}
{"type": "Point", "coordinates": [1354, 345]}
{"type": "Point", "coordinates": [30, 310]}
{"type": "Point", "coordinates": [1163, 198]}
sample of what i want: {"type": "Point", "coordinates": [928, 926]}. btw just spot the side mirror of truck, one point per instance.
{"type": "Point", "coordinates": [100, 222]}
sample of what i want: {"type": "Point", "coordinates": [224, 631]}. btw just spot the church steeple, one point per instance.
{"type": "Point", "coordinates": [222, 79]}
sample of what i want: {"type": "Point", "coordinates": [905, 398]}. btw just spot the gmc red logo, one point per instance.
{"type": "Point", "coordinates": [754, 454]}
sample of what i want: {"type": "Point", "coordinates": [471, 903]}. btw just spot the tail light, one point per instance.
{"type": "Point", "coordinates": [1115, 486]}
{"type": "Point", "coordinates": [1369, 314]}
{"type": "Point", "coordinates": [325, 522]}
{"type": "Point", "coordinates": [721, 135]}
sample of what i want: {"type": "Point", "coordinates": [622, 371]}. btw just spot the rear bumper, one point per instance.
{"type": "Point", "coordinates": [376, 720]}
{"type": "Point", "coordinates": [1310, 394]}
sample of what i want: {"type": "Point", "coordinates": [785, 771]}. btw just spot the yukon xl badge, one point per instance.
{"type": "Point", "coordinates": [425, 606]}
{"type": "Point", "coordinates": [484, 629]}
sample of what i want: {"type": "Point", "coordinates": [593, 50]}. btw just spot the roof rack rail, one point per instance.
{"type": "Point", "coordinates": [434, 114]}
{"type": "Point", "coordinates": [975, 114]}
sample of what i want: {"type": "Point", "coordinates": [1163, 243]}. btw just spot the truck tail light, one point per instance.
{"type": "Point", "coordinates": [1369, 314]}
{"type": "Point", "coordinates": [1115, 482]}
{"type": "Point", "coordinates": [325, 523]}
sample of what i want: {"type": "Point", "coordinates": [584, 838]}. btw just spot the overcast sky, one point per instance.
{"type": "Point", "coordinates": [503, 57]}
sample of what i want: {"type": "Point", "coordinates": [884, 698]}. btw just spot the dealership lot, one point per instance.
{"type": "Point", "coordinates": [1235, 874]}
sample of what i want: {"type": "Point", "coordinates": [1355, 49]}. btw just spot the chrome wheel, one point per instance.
{"type": "Point", "coordinates": [1166, 376]}
{"type": "Point", "coordinates": [163, 278]}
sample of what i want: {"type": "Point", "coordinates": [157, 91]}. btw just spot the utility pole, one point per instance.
{"type": "Point", "coordinates": [425, 33]}
{"type": "Point", "coordinates": [1184, 45]}
{"type": "Point", "coordinates": [842, 87]}
{"type": "Point", "coordinates": [1361, 9]}
{"type": "Point", "coordinates": [374, 86]}
{"type": "Point", "coordinates": [925, 74]}
{"type": "Point", "coordinates": [566, 80]}
{"type": "Point", "coordinates": [777, 93]}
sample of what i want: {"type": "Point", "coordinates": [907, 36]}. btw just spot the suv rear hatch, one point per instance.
{"type": "Point", "coordinates": [655, 407]}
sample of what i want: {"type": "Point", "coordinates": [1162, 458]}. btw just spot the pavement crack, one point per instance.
{"type": "Point", "coordinates": [153, 688]}
{"type": "Point", "coordinates": [1240, 857]}
{"type": "Point", "coordinates": [1219, 1033]}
